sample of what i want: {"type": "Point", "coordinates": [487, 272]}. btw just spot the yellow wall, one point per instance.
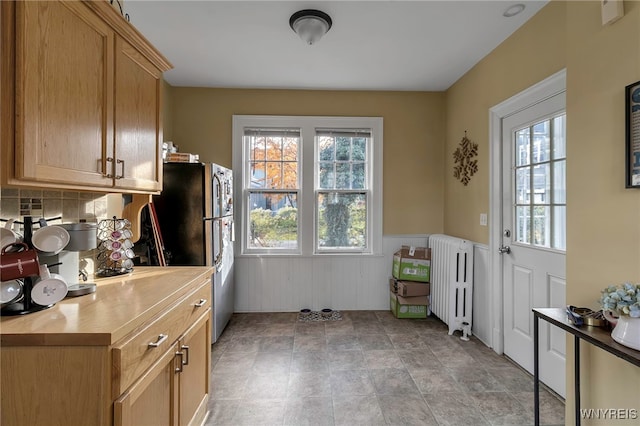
{"type": "Point", "coordinates": [603, 218]}
{"type": "Point", "coordinates": [167, 111]}
{"type": "Point", "coordinates": [528, 56]}
{"type": "Point", "coordinates": [413, 138]}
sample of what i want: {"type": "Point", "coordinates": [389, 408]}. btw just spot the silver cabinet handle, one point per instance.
{"type": "Point", "coordinates": [122, 175]}
{"type": "Point", "coordinates": [201, 303]}
{"type": "Point", "coordinates": [109, 175]}
{"type": "Point", "coordinates": [161, 338]}
{"type": "Point", "coordinates": [185, 348]}
{"type": "Point", "coordinates": [181, 363]}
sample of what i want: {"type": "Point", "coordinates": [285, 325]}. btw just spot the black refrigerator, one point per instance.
{"type": "Point", "coordinates": [195, 214]}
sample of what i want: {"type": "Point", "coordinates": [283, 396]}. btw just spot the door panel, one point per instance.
{"type": "Point", "coordinates": [521, 300]}
{"type": "Point", "coordinates": [533, 227]}
{"type": "Point", "coordinates": [62, 83]}
{"type": "Point", "coordinates": [138, 130]}
{"type": "Point", "coordinates": [194, 377]}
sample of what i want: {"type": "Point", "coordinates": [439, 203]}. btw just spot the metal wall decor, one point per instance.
{"type": "Point", "coordinates": [465, 166]}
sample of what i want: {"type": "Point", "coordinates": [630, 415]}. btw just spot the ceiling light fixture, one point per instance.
{"type": "Point", "coordinates": [513, 10]}
{"type": "Point", "coordinates": [310, 24]}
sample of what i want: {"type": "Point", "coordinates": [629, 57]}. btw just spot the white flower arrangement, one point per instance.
{"type": "Point", "coordinates": [623, 299]}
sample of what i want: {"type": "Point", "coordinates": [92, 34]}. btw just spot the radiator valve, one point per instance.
{"type": "Point", "coordinates": [466, 331]}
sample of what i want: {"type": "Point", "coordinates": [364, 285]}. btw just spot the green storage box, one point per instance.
{"type": "Point", "coordinates": [409, 307]}
{"type": "Point", "coordinates": [412, 264]}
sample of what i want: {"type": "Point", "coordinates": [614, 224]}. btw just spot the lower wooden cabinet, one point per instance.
{"type": "Point", "coordinates": [156, 373]}
{"type": "Point", "coordinates": [193, 379]}
{"type": "Point", "coordinates": [151, 400]}
{"type": "Point", "coordinates": [174, 391]}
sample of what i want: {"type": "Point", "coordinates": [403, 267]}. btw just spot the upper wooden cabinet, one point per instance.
{"type": "Point", "coordinates": [85, 103]}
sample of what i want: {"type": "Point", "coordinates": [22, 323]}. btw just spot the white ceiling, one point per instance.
{"type": "Point", "coordinates": [373, 45]}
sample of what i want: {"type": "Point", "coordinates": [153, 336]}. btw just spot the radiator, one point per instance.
{"type": "Point", "coordinates": [452, 282]}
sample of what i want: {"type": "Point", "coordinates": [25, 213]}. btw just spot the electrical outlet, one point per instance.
{"type": "Point", "coordinates": [483, 219]}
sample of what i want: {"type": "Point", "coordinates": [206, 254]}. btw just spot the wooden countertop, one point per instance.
{"type": "Point", "coordinates": [119, 305]}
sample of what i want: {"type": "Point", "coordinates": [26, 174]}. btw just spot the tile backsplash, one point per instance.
{"type": "Point", "coordinates": [72, 206]}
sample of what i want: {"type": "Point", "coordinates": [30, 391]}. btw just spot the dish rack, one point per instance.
{"type": "Point", "coordinates": [115, 246]}
{"type": "Point", "coordinates": [26, 305]}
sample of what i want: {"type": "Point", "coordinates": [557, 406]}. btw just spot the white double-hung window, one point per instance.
{"type": "Point", "coordinates": [308, 185]}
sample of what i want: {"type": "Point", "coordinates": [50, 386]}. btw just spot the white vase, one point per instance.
{"type": "Point", "coordinates": [626, 331]}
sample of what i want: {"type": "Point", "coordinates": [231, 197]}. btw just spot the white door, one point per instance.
{"type": "Point", "coordinates": [533, 233]}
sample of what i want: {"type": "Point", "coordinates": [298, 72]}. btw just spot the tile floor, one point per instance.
{"type": "Point", "coordinates": [367, 369]}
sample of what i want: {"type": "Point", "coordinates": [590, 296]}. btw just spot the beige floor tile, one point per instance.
{"type": "Point", "coordinates": [367, 369]}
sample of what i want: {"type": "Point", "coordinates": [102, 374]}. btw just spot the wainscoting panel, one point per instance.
{"type": "Point", "coordinates": [481, 294]}
{"type": "Point", "coordinates": [291, 283]}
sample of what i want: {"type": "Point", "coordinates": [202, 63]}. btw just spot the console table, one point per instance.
{"type": "Point", "coordinates": [595, 335]}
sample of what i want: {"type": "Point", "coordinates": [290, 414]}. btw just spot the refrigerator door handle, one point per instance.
{"type": "Point", "coordinates": [219, 195]}
{"type": "Point", "coordinates": [218, 260]}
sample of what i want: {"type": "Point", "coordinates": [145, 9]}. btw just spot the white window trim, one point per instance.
{"type": "Point", "coordinates": [307, 125]}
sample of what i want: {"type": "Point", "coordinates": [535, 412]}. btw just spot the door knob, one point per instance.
{"type": "Point", "coordinates": [504, 249]}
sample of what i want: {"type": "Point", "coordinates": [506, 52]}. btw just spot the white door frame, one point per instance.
{"type": "Point", "coordinates": [538, 92]}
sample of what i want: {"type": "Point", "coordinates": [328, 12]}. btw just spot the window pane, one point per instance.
{"type": "Point", "coordinates": [273, 220]}
{"type": "Point", "coordinates": [559, 182]}
{"type": "Point", "coordinates": [326, 147]}
{"type": "Point", "coordinates": [357, 176]}
{"type": "Point", "coordinates": [342, 220]}
{"type": "Point", "coordinates": [523, 224]}
{"type": "Point", "coordinates": [290, 177]}
{"type": "Point", "coordinates": [559, 141]}
{"type": "Point", "coordinates": [274, 175]}
{"type": "Point", "coordinates": [343, 176]}
{"type": "Point", "coordinates": [541, 184]}
{"type": "Point", "coordinates": [343, 148]}
{"type": "Point", "coordinates": [290, 149]}
{"type": "Point", "coordinates": [541, 142]}
{"type": "Point", "coordinates": [258, 175]}
{"type": "Point", "coordinates": [542, 226]}
{"type": "Point", "coordinates": [274, 148]}
{"type": "Point", "coordinates": [522, 147]}
{"type": "Point", "coordinates": [559, 227]}
{"type": "Point", "coordinates": [359, 149]}
{"type": "Point", "coordinates": [327, 176]}
{"type": "Point", "coordinates": [523, 182]}
{"type": "Point", "coordinates": [256, 147]}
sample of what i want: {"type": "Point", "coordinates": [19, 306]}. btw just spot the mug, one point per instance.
{"type": "Point", "coordinates": [8, 235]}
{"type": "Point", "coordinates": [50, 240]}
{"type": "Point", "coordinates": [18, 264]}
{"type": "Point", "coordinates": [49, 288]}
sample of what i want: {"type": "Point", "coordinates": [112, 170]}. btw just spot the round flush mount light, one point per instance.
{"type": "Point", "coordinates": [310, 24]}
{"type": "Point", "coordinates": [513, 10]}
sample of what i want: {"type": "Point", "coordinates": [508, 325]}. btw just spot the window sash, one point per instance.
{"type": "Point", "coordinates": [344, 235]}
{"type": "Point", "coordinates": [308, 179]}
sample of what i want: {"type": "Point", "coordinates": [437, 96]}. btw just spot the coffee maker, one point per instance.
{"type": "Point", "coordinates": [82, 237]}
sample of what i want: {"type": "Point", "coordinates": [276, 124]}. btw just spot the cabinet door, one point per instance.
{"type": "Point", "coordinates": [194, 378]}
{"type": "Point", "coordinates": [152, 399]}
{"type": "Point", "coordinates": [137, 120]}
{"type": "Point", "coordinates": [63, 99]}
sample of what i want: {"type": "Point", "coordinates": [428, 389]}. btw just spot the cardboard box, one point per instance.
{"type": "Point", "coordinates": [412, 264]}
{"type": "Point", "coordinates": [393, 285]}
{"type": "Point", "coordinates": [409, 307]}
{"type": "Point", "coordinates": [412, 288]}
